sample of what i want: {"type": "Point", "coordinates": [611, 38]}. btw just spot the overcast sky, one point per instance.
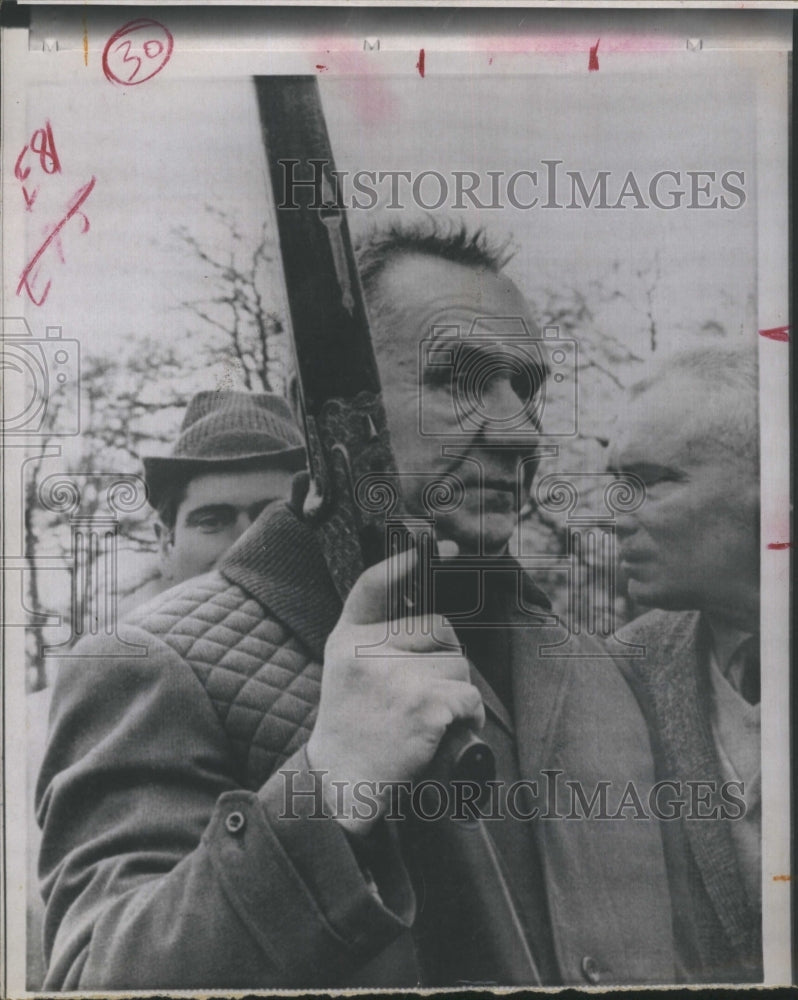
{"type": "Point", "coordinates": [160, 155]}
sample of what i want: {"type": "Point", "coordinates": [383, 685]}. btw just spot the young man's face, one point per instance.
{"type": "Point", "coordinates": [217, 508]}
{"type": "Point", "coordinates": [693, 544]}
{"type": "Point", "coordinates": [428, 294]}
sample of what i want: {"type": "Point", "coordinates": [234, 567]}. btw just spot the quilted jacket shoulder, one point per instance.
{"type": "Point", "coordinates": [262, 681]}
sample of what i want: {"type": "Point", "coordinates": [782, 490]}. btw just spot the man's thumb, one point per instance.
{"type": "Point", "coordinates": [385, 586]}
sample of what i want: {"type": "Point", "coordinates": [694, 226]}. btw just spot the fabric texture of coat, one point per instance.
{"type": "Point", "coordinates": [167, 859]}
{"type": "Point", "coordinates": [718, 934]}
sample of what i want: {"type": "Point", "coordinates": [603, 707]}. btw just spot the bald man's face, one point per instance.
{"type": "Point", "coordinates": [693, 544]}
{"type": "Point", "coordinates": [428, 294]}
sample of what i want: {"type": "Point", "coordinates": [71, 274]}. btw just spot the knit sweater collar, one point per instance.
{"type": "Point", "coordinates": [280, 564]}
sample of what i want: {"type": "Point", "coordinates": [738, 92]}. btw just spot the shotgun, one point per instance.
{"type": "Point", "coordinates": [348, 445]}
{"type": "Point", "coordinates": [346, 429]}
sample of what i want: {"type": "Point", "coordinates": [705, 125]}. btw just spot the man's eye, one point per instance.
{"type": "Point", "coordinates": [209, 524]}
{"type": "Point", "coordinates": [650, 474]}
{"type": "Point", "coordinates": [657, 478]}
{"type": "Point", "coordinates": [212, 521]}
{"type": "Point", "coordinates": [435, 374]}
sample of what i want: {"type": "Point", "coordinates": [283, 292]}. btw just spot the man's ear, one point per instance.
{"type": "Point", "coordinates": [165, 538]}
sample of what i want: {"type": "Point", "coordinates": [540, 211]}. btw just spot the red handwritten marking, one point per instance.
{"type": "Point", "coordinates": [780, 545]}
{"type": "Point", "coordinates": [420, 63]}
{"type": "Point", "coordinates": [321, 67]}
{"type": "Point", "coordinates": [19, 173]}
{"type": "Point", "coordinates": [31, 270]}
{"type": "Point", "coordinates": [42, 144]}
{"type": "Point", "coordinates": [490, 61]}
{"type": "Point", "coordinates": [592, 63]}
{"type": "Point", "coordinates": [781, 333]}
{"type": "Point", "coordinates": [122, 65]}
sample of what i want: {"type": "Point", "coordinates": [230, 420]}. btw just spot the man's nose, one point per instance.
{"type": "Point", "coordinates": [625, 525]}
{"type": "Point", "coordinates": [504, 409]}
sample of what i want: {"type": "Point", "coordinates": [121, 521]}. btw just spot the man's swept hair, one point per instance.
{"type": "Point", "coordinates": [727, 377]}
{"type": "Point", "coordinates": [444, 240]}
{"type": "Point", "coordinates": [449, 241]}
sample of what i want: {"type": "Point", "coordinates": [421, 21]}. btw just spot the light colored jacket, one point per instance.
{"type": "Point", "coordinates": [718, 935]}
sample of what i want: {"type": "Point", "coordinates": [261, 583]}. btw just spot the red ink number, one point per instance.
{"type": "Point", "coordinates": [42, 144]}
{"type": "Point", "coordinates": [136, 52]}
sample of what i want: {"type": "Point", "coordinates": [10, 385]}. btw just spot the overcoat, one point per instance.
{"type": "Point", "coordinates": [167, 859]}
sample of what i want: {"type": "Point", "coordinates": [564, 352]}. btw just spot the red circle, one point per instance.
{"type": "Point", "coordinates": [122, 63]}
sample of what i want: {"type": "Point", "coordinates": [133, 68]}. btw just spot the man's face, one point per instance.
{"type": "Point", "coordinates": [217, 508]}
{"type": "Point", "coordinates": [426, 294]}
{"type": "Point", "coordinates": [693, 544]}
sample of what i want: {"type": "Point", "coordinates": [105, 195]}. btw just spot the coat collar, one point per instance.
{"type": "Point", "coordinates": [280, 564]}
{"type": "Point", "coordinates": [674, 675]}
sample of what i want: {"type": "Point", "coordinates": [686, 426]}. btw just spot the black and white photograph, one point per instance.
{"type": "Point", "coordinates": [396, 528]}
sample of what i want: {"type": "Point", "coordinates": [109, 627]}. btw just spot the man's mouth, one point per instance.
{"type": "Point", "coordinates": [500, 485]}
{"type": "Point", "coordinates": [632, 561]}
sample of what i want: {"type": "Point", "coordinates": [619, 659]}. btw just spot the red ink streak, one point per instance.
{"type": "Point", "coordinates": [780, 545]}
{"type": "Point", "coordinates": [781, 333]}
{"type": "Point", "coordinates": [592, 63]}
{"type": "Point", "coordinates": [72, 209]}
{"type": "Point", "coordinates": [420, 63]}
{"type": "Point", "coordinates": [320, 67]}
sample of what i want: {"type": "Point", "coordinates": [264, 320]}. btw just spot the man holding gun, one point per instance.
{"type": "Point", "coordinates": [199, 823]}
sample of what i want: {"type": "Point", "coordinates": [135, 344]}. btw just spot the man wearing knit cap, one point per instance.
{"type": "Point", "coordinates": [236, 453]}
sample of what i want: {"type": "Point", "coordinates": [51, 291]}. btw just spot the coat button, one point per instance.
{"type": "Point", "coordinates": [235, 822]}
{"type": "Point", "coordinates": [590, 967]}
